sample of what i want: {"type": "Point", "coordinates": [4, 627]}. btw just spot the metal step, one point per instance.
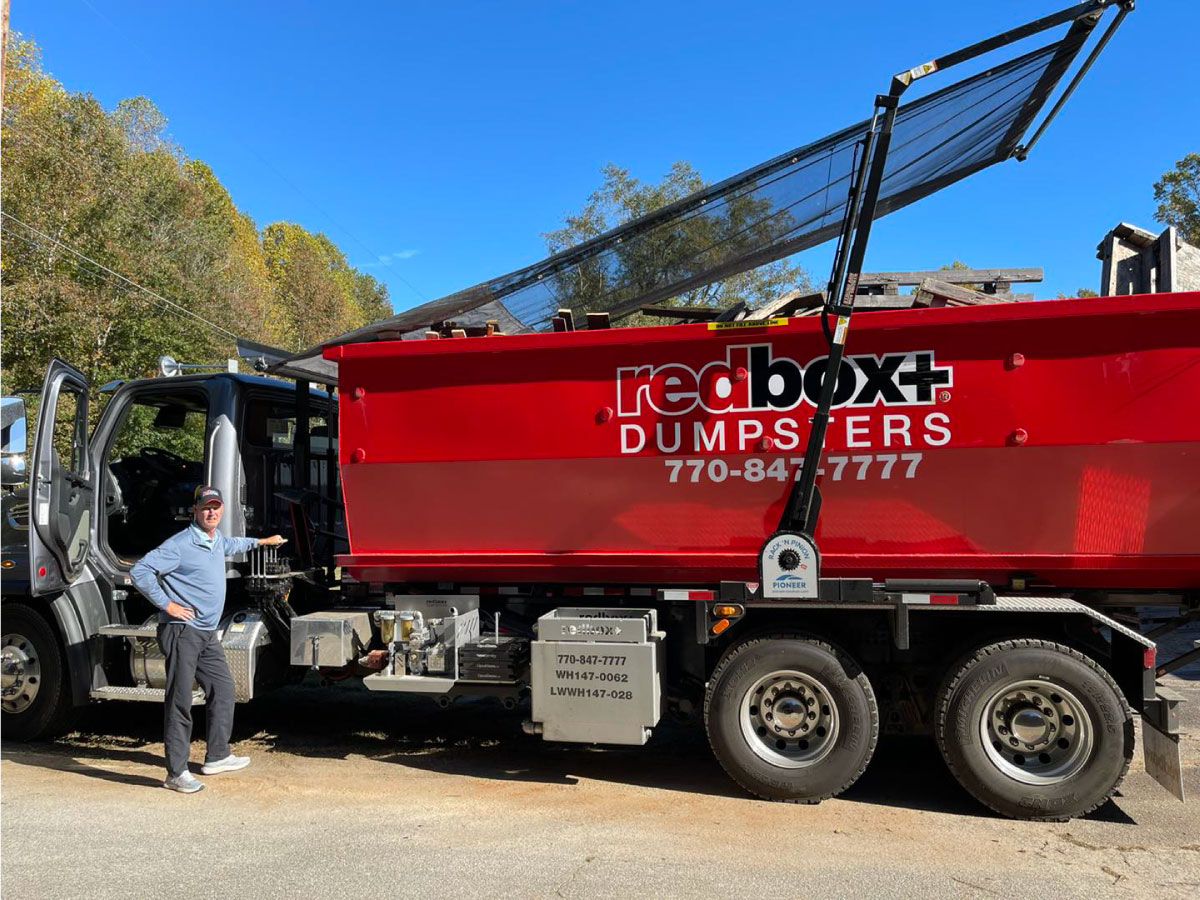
{"type": "Point", "coordinates": [143, 632]}
{"type": "Point", "coordinates": [145, 694]}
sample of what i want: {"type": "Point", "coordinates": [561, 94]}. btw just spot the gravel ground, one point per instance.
{"type": "Point", "coordinates": [352, 794]}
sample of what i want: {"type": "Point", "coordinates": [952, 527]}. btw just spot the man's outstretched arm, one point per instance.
{"type": "Point", "coordinates": [236, 545]}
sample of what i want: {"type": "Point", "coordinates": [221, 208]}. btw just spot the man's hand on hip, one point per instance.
{"type": "Point", "coordinates": [273, 541]}
{"type": "Point", "coordinates": [179, 611]}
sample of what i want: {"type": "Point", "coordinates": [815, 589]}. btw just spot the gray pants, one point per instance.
{"type": "Point", "coordinates": [194, 656]}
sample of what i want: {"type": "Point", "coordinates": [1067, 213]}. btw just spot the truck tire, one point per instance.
{"type": "Point", "coordinates": [36, 697]}
{"type": "Point", "coordinates": [1034, 730]}
{"type": "Point", "coordinates": [791, 718]}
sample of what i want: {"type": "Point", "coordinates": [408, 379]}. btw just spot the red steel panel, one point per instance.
{"type": "Point", "coordinates": [1057, 440]}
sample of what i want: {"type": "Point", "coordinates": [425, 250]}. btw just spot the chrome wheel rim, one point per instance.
{"type": "Point", "coordinates": [789, 719]}
{"type": "Point", "coordinates": [1036, 732]}
{"type": "Point", "coordinates": [20, 673]}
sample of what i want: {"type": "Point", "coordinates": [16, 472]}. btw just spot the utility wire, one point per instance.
{"type": "Point", "coordinates": [157, 212]}
{"type": "Point", "coordinates": [346, 231]}
{"type": "Point", "coordinates": [170, 304]}
{"type": "Point", "coordinates": [96, 275]}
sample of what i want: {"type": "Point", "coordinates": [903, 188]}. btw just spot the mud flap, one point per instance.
{"type": "Point", "coordinates": [1163, 763]}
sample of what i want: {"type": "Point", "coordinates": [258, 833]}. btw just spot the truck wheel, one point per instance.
{"type": "Point", "coordinates": [1034, 730]}
{"type": "Point", "coordinates": [35, 697]}
{"type": "Point", "coordinates": [791, 718]}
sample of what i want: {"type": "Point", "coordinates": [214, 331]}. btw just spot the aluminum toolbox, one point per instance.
{"type": "Point", "coordinates": [596, 675]}
{"type": "Point", "coordinates": [330, 638]}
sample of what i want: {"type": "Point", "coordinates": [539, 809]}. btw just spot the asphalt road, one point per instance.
{"type": "Point", "coordinates": [355, 795]}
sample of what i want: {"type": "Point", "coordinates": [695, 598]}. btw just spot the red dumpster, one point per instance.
{"type": "Point", "coordinates": [1055, 441]}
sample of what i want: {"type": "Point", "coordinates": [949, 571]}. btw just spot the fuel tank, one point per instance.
{"type": "Point", "coordinates": [1055, 441]}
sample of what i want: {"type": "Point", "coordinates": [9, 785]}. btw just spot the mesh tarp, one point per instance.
{"type": "Point", "coordinates": [790, 203]}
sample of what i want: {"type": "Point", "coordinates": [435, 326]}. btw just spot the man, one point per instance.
{"type": "Point", "coordinates": [185, 578]}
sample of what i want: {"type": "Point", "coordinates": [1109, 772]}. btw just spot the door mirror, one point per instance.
{"type": "Point", "coordinates": [13, 441]}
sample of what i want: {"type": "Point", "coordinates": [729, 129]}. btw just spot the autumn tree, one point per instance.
{"type": "Point", "coordinates": [90, 193]}
{"type": "Point", "coordinates": [317, 293]}
{"type": "Point", "coordinates": [638, 266]}
{"type": "Point", "coordinates": [1177, 194]}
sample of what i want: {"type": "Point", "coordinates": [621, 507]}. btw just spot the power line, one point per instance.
{"type": "Point", "coordinates": [97, 275]}
{"type": "Point", "coordinates": [346, 231]}
{"type": "Point", "coordinates": [89, 267]}
{"type": "Point", "coordinates": [171, 304]}
{"type": "Point", "coordinates": [158, 211]}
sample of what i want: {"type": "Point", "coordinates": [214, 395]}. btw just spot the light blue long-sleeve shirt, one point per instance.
{"type": "Point", "coordinates": [189, 568]}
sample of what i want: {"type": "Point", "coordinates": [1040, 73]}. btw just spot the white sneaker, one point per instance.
{"type": "Point", "coordinates": [230, 763]}
{"type": "Point", "coordinates": [187, 783]}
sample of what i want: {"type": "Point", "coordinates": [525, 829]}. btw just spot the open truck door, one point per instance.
{"type": "Point", "coordinates": [61, 486]}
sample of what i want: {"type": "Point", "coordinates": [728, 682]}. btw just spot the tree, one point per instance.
{"type": "Point", "coordinates": [958, 265]}
{"type": "Point", "coordinates": [317, 294]}
{"type": "Point", "coordinates": [1178, 196]}
{"type": "Point", "coordinates": [70, 173]}
{"type": "Point", "coordinates": [638, 266]}
{"type": "Point", "coordinates": [112, 187]}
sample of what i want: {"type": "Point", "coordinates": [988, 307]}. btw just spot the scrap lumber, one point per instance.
{"type": "Point", "coordinates": [787, 304]}
{"type": "Point", "coordinates": [935, 292]}
{"type": "Point", "coordinates": [688, 313]}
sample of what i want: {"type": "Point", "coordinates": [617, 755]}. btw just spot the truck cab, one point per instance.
{"type": "Point", "coordinates": [94, 503]}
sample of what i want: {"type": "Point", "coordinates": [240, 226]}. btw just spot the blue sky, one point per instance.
{"type": "Point", "coordinates": [435, 142]}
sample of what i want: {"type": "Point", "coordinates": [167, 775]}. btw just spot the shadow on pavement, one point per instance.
{"type": "Point", "coordinates": [479, 739]}
{"type": "Point", "coordinates": [62, 757]}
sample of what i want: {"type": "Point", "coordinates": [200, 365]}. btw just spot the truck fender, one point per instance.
{"type": "Point", "coordinates": [79, 611]}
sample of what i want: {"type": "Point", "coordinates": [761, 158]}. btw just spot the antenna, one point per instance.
{"type": "Point", "coordinates": [169, 368]}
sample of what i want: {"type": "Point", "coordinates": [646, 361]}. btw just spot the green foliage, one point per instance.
{"type": "Point", "coordinates": [1177, 194]}
{"type": "Point", "coordinates": [317, 291]}
{"type": "Point", "coordinates": [959, 264]}
{"type": "Point", "coordinates": [621, 198]}
{"type": "Point", "coordinates": [140, 430]}
{"type": "Point", "coordinates": [114, 187]}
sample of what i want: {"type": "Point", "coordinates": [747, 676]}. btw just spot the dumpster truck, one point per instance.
{"type": "Point", "coordinates": [942, 530]}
